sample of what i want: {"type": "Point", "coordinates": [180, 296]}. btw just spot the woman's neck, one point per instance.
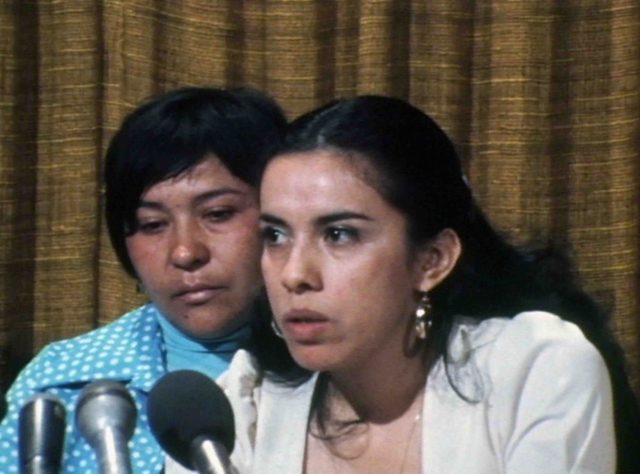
{"type": "Point", "coordinates": [380, 390]}
{"type": "Point", "coordinates": [372, 418]}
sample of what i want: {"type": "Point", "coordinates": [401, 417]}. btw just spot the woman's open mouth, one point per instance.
{"type": "Point", "coordinates": [305, 325]}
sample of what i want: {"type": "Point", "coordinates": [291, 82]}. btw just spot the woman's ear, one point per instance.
{"type": "Point", "coordinates": [438, 258]}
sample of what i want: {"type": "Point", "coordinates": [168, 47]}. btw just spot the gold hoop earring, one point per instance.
{"type": "Point", "coordinates": [423, 317]}
{"type": "Point", "coordinates": [276, 329]}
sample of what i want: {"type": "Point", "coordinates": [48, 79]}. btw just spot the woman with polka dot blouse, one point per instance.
{"type": "Point", "coordinates": [182, 213]}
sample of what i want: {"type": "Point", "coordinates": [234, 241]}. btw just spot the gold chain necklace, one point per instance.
{"type": "Point", "coordinates": [415, 423]}
{"type": "Point", "coordinates": [412, 430]}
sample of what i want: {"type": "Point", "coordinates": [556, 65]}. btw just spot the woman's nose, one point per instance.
{"type": "Point", "coordinates": [190, 250]}
{"type": "Point", "coordinates": [301, 271]}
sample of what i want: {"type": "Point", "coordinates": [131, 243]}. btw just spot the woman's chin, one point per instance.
{"type": "Point", "coordinates": [315, 359]}
{"type": "Point", "coordinates": [207, 326]}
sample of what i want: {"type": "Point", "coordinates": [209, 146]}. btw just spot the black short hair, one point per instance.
{"type": "Point", "coordinates": [172, 133]}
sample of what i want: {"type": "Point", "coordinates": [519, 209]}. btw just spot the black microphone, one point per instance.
{"type": "Point", "coordinates": [3, 407]}
{"type": "Point", "coordinates": [41, 426]}
{"type": "Point", "coordinates": [192, 420]}
{"type": "Point", "coordinates": [106, 418]}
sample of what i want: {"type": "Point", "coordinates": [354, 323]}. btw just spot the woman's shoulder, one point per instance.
{"type": "Point", "coordinates": [528, 350]}
{"type": "Point", "coordinates": [525, 332]}
{"type": "Point", "coordinates": [78, 359]}
{"type": "Point", "coordinates": [534, 385]}
{"type": "Point", "coordinates": [497, 354]}
{"type": "Point", "coordinates": [139, 320]}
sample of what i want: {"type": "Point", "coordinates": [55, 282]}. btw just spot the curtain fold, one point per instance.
{"type": "Point", "coordinates": [542, 99]}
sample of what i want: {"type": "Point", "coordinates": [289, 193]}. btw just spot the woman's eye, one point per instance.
{"type": "Point", "coordinates": [272, 236]}
{"type": "Point", "coordinates": [219, 215]}
{"type": "Point", "coordinates": [341, 235]}
{"type": "Point", "coordinates": [151, 227]}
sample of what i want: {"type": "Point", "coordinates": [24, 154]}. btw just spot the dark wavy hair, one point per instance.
{"type": "Point", "coordinates": [172, 133]}
{"type": "Point", "coordinates": [417, 170]}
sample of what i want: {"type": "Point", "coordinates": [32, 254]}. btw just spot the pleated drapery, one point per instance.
{"type": "Point", "coordinates": [541, 97]}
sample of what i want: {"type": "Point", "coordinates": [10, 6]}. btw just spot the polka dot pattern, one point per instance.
{"type": "Point", "coordinates": [130, 351]}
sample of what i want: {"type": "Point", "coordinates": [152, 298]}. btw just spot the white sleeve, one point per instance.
{"type": "Point", "coordinates": [242, 383]}
{"type": "Point", "coordinates": [552, 402]}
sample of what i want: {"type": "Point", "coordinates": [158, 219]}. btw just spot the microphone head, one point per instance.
{"type": "Point", "coordinates": [41, 426]}
{"type": "Point", "coordinates": [105, 404]}
{"type": "Point", "coordinates": [185, 406]}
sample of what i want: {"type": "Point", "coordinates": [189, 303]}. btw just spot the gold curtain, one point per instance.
{"type": "Point", "coordinates": [542, 97]}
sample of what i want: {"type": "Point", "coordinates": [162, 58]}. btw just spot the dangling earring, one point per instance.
{"type": "Point", "coordinates": [139, 287]}
{"type": "Point", "coordinates": [276, 329]}
{"type": "Point", "coordinates": [423, 317]}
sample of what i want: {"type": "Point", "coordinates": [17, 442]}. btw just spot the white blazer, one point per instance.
{"type": "Point", "coordinates": [539, 401]}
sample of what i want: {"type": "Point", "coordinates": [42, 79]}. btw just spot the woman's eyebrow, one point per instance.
{"type": "Point", "coordinates": [197, 200]}
{"type": "Point", "coordinates": [320, 221]}
{"type": "Point", "coordinates": [341, 216]}
{"type": "Point", "coordinates": [146, 204]}
{"type": "Point", "coordinates": [271, 219]}
{"type": "Point", "coordinates": [215, 193]}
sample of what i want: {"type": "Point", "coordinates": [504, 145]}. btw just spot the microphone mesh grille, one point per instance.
{"type": "Point", "coordinates": [184, 405]}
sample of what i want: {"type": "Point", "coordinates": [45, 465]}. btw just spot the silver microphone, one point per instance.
{"type": "Point", "coordinates": [106, 418]}
{"type": "Point", "coordinates": [41, 425]}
